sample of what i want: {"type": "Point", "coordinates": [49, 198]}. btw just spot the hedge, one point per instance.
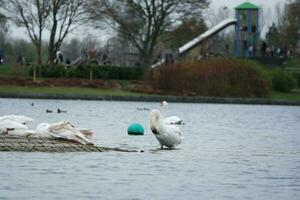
{"type": "Point", "coordinates": [83, 71]}
{"type": "Point", "coordinates": [282, 81]}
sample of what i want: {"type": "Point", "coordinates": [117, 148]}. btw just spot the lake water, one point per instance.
{"type": "Point", "coordinates": [229, 152]}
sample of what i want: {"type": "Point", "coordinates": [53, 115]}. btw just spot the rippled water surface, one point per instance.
{"type": "Point", "coordinates": [229, 152]}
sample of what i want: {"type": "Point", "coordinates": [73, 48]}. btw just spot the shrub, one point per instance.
{"type": "Point", "coordinates": [49, 71]}
{"type": "Point", "coordinates": [218, 77]}
{"type": "Point", "coordinates": [292, 62]}
{"type": "Point", "coordinates": [83, 71]}
{"type": "Point", "coordinates": [293, 65]}
{"type": "Point", "coordinates": [282, 81]}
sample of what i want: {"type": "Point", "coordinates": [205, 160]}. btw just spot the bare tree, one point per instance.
{"type": "Point", "coordinates": [32, 15]}
{"type": "Point", "coordinates": [289, 25]}
{"type": "Point", "coordinates": [71, 49]}
{"type": "Point", "coordinates": [2, 16]}
{"type": "Point", "coordinates": [142, 22]}
{"type": "Point", "coordinates": [185, 32]}
{"type": "Point", "coordinates": [3, 29]}
{"type": "Point", "coordinates": [65, 16]}
{"type": "Point", "coordinates": [214, 16]}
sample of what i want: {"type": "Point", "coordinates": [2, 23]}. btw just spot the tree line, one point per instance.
{"type": "Point", "coordinates": [285, 32]}
{"type": "Point", "coordinates": [148, 25]}
{"type": "Point", "coordinates": [60, 17]}
{"type": "Point", "coordinates": [142, 23]}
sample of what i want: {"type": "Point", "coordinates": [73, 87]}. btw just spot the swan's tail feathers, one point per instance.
{"type": "Point", "coordinates": [76, 139]}
{"type": "Point", "coordinates": [83, 140]}
{"type": "Point", "coordinates": [87, 133]}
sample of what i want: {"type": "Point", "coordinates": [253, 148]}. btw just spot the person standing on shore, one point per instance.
{"type": "Point", "coordinates": [59, 57]}
{"type": "Point", "coordinates": [250, 51]}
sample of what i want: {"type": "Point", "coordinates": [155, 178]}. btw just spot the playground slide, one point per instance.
{"type": "Point", "coordinates": [214, 30]}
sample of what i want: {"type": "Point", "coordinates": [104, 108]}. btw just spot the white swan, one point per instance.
{"type": "Point", "coordinates": [17, 118]}
{"type": "Point", "coordinates": [171, 119]}
{"type": "Point", "coordinates": [15, 125]}
{"type": "Point", "coordinates": [164, 104]}
{"type": "Point", "coordinates": [64, 130]}
{"type": "Point", "coordinates": [167, 135]}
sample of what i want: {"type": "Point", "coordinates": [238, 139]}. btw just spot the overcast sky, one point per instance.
{"type": "Point", "coordinates": [234, 3]}
{"type": "Point", "coordinates": [266, 4]}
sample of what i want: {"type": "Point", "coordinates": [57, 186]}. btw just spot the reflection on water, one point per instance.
{"type": "Point", "coordinates": [228, 152]}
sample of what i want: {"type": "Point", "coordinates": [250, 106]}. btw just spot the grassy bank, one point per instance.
{"type": "Point", "coordinates": [218, 78]}
{"type": "Point", "coordinates": [64, 90]}
{"type": "Point", "coordinates": [295, 95]}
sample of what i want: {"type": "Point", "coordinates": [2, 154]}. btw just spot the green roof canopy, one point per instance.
{"type": "Point", "coordinates": [247, 6]}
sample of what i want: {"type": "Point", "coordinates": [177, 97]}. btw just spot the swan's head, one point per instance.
{"type": "Point", "coordinates": [164, 104]}
{"type": "Point", "coordinates": [155, 120]}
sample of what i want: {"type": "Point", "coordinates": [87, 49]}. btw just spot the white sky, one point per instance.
{"type": "Point", "coordinates": [266, 4]}
{"type": "Point", "coordinates": [234, 3]}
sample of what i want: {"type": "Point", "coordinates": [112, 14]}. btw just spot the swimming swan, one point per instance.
{"type": "Point", "coordinates": [171, 119]}
{"type": "Point", "coordinates": [167, 134]}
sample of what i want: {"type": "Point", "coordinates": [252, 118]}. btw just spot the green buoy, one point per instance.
{"type": "Point", "coordinates": [135, 129]}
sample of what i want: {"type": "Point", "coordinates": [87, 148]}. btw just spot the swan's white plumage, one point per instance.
{"type": "Point", "coordinates": [164, 104]}
{"type": "Point", "coordinates": [87, 133]}
{"type": "Point", "coordinates": [42, 130]}
{"type": "Point", "coordinates": [167, 134]}
{"type": "Point", "coordinates": [15, 125]}
{"type": "Point", "coordinates": [171, 119]}
{"type": "Point", "coordinates": [17, 118]}
{"type": "Point", "coordinates": [64, 130]}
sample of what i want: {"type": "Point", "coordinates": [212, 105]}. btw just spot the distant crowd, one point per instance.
{"type": "Point", "coordinates": [169, 56]}
{"type": "Point", "coordinates": [271, 50]}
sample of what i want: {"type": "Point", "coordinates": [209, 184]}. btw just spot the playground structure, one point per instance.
{"type": "Point", "coordinates": [246, 34]}
{"type": "Point", "coordinates": [246, 30]}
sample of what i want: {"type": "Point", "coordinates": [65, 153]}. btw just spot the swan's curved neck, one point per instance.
{"type": "Point", "coordinates": [156, 120]}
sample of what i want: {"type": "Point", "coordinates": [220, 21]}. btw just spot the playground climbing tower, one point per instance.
{"type": "Point", "coordinates": [246, 30]}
